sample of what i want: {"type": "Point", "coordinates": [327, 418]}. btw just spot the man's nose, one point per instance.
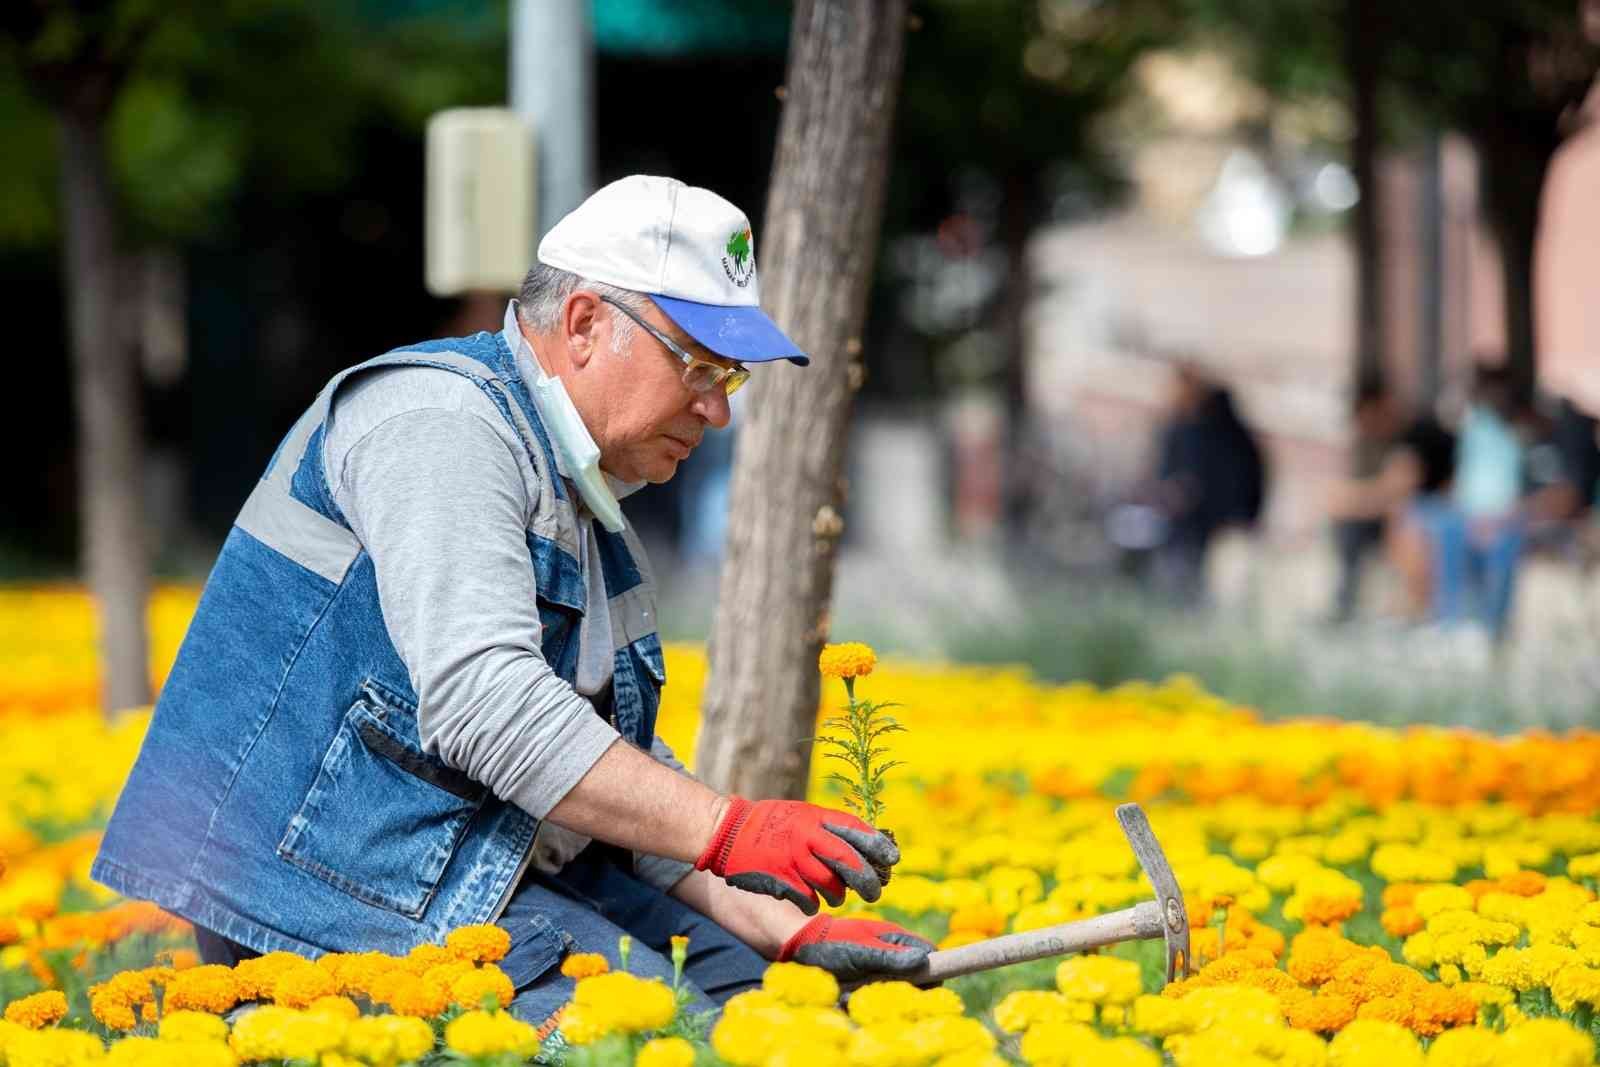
{"type": "Point", "coordinates": [712, 406]}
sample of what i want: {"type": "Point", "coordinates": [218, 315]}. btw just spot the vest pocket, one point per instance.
{"type": "Point", "coordinates": [382, 818]}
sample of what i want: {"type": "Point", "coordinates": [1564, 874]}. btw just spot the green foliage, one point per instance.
{"type": "Point", "coordinates": [855, 741]}
{"type": "Point", "coordinates": [206, 97]}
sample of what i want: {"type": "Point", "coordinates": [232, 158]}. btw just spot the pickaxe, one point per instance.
{"type": "Point", "coordinates": [1163, 917]}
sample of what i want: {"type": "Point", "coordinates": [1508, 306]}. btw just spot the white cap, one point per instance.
{"type": "Point", "coordinates": [687, 248]}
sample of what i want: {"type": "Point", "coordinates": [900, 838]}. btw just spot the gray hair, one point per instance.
{"type": "Point", "coordinates": [545, 289]}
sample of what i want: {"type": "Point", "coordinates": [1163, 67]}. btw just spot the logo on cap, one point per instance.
{"type": "Point", "coordinates": [739, 264]}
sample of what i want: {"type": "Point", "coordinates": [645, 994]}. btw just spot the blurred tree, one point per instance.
{"type": "Point", "coordinates": [1502, 74]}
{"type": "Point", "coordinates": [159, 112]}
{"type": "Point", "coordinates": [816, 250]}
{"type": "Point", "coordinates": [999, 101]}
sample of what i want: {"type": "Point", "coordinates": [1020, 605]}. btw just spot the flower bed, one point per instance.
{"type": "Point", "coordinates": [1359, 895]}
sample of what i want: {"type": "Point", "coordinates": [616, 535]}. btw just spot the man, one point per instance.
{"type": "Point", "coordinates": [420, 688]}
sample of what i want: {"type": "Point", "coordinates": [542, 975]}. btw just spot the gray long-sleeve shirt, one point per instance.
{"type": "Point", "coordinates": [439, 490]}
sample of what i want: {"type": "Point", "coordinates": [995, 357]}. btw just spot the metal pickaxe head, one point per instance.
{"type": "Point", "coordinates": [1164, 917]}
{"type": "Point", "coordinates": [1170, 912]}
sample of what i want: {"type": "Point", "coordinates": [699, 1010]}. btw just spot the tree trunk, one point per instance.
{"type": "Point", "coordinates": [1515, 159]}
{"type": "Point", "coordinates": [821, 236]}
{"type": "Point", "coordinates": [105, 385]}
{"type": "Point", "coordinates": [1362, 65]}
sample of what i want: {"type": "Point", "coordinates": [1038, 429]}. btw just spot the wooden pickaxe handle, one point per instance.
{"type": "Point", "coordinates": [1139, 922]}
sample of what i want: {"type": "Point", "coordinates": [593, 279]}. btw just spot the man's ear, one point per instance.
{"type": "Point", "coordinates": [580, 322]}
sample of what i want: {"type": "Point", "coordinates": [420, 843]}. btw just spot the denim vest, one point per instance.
{"type": "Point", "coordinates": [282, 798]}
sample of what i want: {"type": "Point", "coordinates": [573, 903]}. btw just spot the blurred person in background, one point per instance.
{"type": "Point", "coordinates": [1564, 479]}
{"type": "Point", "coordinates": [1357, 535]}
{"type": "Point", "coordinates": [1398, 470]}
{"type": "Point", "coordinates": [1476, 532]}
{"type": "Point", "coordinates": [1210, 475]}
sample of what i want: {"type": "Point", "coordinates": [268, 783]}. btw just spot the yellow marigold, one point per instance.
{"type": "Point", "coordinates": [485, 1034]}
{"type": "Point", "coordinates": [1548, 1043]}
{"type": "Point", "coordinates": [879, 1002]}
{"type": "Point", "coordinates": [665, 1052]}
{"type": "Point", "coordinates": [1099, 979]}
{"type": "Point", "coordinates": [385, 1040]}
{"type": "Point", "coordinates": [1374, 1041]}
{"type": "Point", "coordinates": [633, 1004]}
{"type": "Point", "coordinates": [584, 965]}
{"type": "Point", "coordinates": [479, 944]}
{"type": "Point", "coordinates": [210, 987]}
{"type": "Point", "coordinates": [39, 1010]}
{"type": "Point", "coordinates": [149, 1052]}
{"type": "Point", "coordinates": [584, 1024]}
{"type": "Point", "coordinates": [192, 1026]}
{"type": "Point", "coordinates": [1023, 1008]}
{"type": "Point", "coordinates": [343, 1007]}
{"type": "Point", "coordinates": [56, 1047]}
{"type": "Point", "coordinates": [801, 986]}
{"type": "Point", "coordinates": [1052, 1043]}
{"type": "Point", "coordinates": [849, 660]}
{"type": "Point", "coordinates": [474, 987]}
{"type": "Point", "coordinates": [299, 987]}
{"type": "Point", "coordinates": [1153, 1015]}
{"type": "Point", "coordinates": [275, 1032]}
{"type": "Point", "coordinates": [1470, 1046]}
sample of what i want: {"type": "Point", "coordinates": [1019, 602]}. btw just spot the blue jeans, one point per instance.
{"type": "Point", "coordinates": [594, 902]}
{"type": "Point", "coordinates": [1472, 575]}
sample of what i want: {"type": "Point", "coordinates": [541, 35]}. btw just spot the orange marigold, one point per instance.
{"type": "Point", "coordinates": [849, 660]}
{"type": "Point", "coordinates": [1438, 1007]}
{"type": "Point", "coordinates": [422, 1000]}
{"type": "Point", "coordinates": [584, 965]}
{"type": "Point", "coordinates": [1402, 894]}
{"type": "Point", "coordinates": [210, 987]}
{"type": "Point", "coordinates": [1523, 883]}
{"type": "Point", "coordinates": [1392, 1009]}
{"type": "Point", "coordinates": [114, 1012]}
{"type": "Point", "coordinates": [1322, 1013]}
{"type": "Point", "coordinates": [257, 977]}
{"type": "Point", "coordinates": [472, 988]}
{"type": "Point", "coordinates": [1402, 921]}
{"type": "Point", "coordinates": [485, 943]}
{"type": "Point", "coordinates": [1329, 911]}
{"type": "Point", "coordinates": [299, 987]}
{"type": "Point", "coordinates": [40, 1010]}
{"type": "Point", "coordinates": [419, 959]}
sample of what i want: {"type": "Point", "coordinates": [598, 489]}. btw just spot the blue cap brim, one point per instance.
{"type": "Point", "coordinates": [742, 333]}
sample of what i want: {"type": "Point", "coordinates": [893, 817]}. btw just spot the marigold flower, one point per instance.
{"type": "Point", "coordinates": [665, 1052]}
{"type": "Point", "coordinates": [1099, 979]}
{"type": "Point", "coordinates": [487, 982]}
{"type": "Point", "coordinates": [39, 1010]}
{"type": "Point", "coordinates": [112, 1011]}
{"type": "Point", "coordinates": [1324, 1013]}
{"type": "Point", "coordinates": [1547, 1042]}
{"type": "Point", "coordinates": [275, 1032]}
{"type": "Point", "coordinates": [584, 965]}
{"type": "Point", "coordinates": [479, 944]}
{"type": "Point", "coordinates": [386, 1040]}
{"type": "Point", "coordinates": [209, 987]}
{"type": "Point", "coordinates": [299, 987]}
{"type": "Point", "coordinates": [633, 1004]}
{"type": "Point", "coordinates": [419, 999]}
{"type": "Point", "coordinates": [849, 660]}
{"type": "Point", "coordinates": [801, 986]}
{"type": "Point", "coordinates": [485, 1034]}
{"type": "Point", "coordinates": [192, 1026]}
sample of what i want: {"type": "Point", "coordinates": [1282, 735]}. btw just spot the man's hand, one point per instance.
{"type": "Point", "coordinates": [856, 948]}
{"type": "Point", "coordinates": [793, 850]}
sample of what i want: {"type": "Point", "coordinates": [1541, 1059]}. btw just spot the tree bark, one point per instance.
{"type": "Point", "coordinates": [817, 252]}
{"type": "Point", "coordinates": [105, 385]}
{"type": "Point", "coordinates": [1515, 158]}
{"type": "Point", "coordinates": [1362, 64]}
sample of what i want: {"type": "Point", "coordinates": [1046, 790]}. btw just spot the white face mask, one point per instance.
{"type": "Point", "coordinates": [579, 454]}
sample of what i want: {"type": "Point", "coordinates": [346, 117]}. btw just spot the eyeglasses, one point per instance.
{"type": "Point", "coordinates": [700, 375]}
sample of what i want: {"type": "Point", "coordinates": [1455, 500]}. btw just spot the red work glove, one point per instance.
{"type": "Point", "coordinates": [793, 850]}
{"type": "Point", "coordinates": [856, 948]}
